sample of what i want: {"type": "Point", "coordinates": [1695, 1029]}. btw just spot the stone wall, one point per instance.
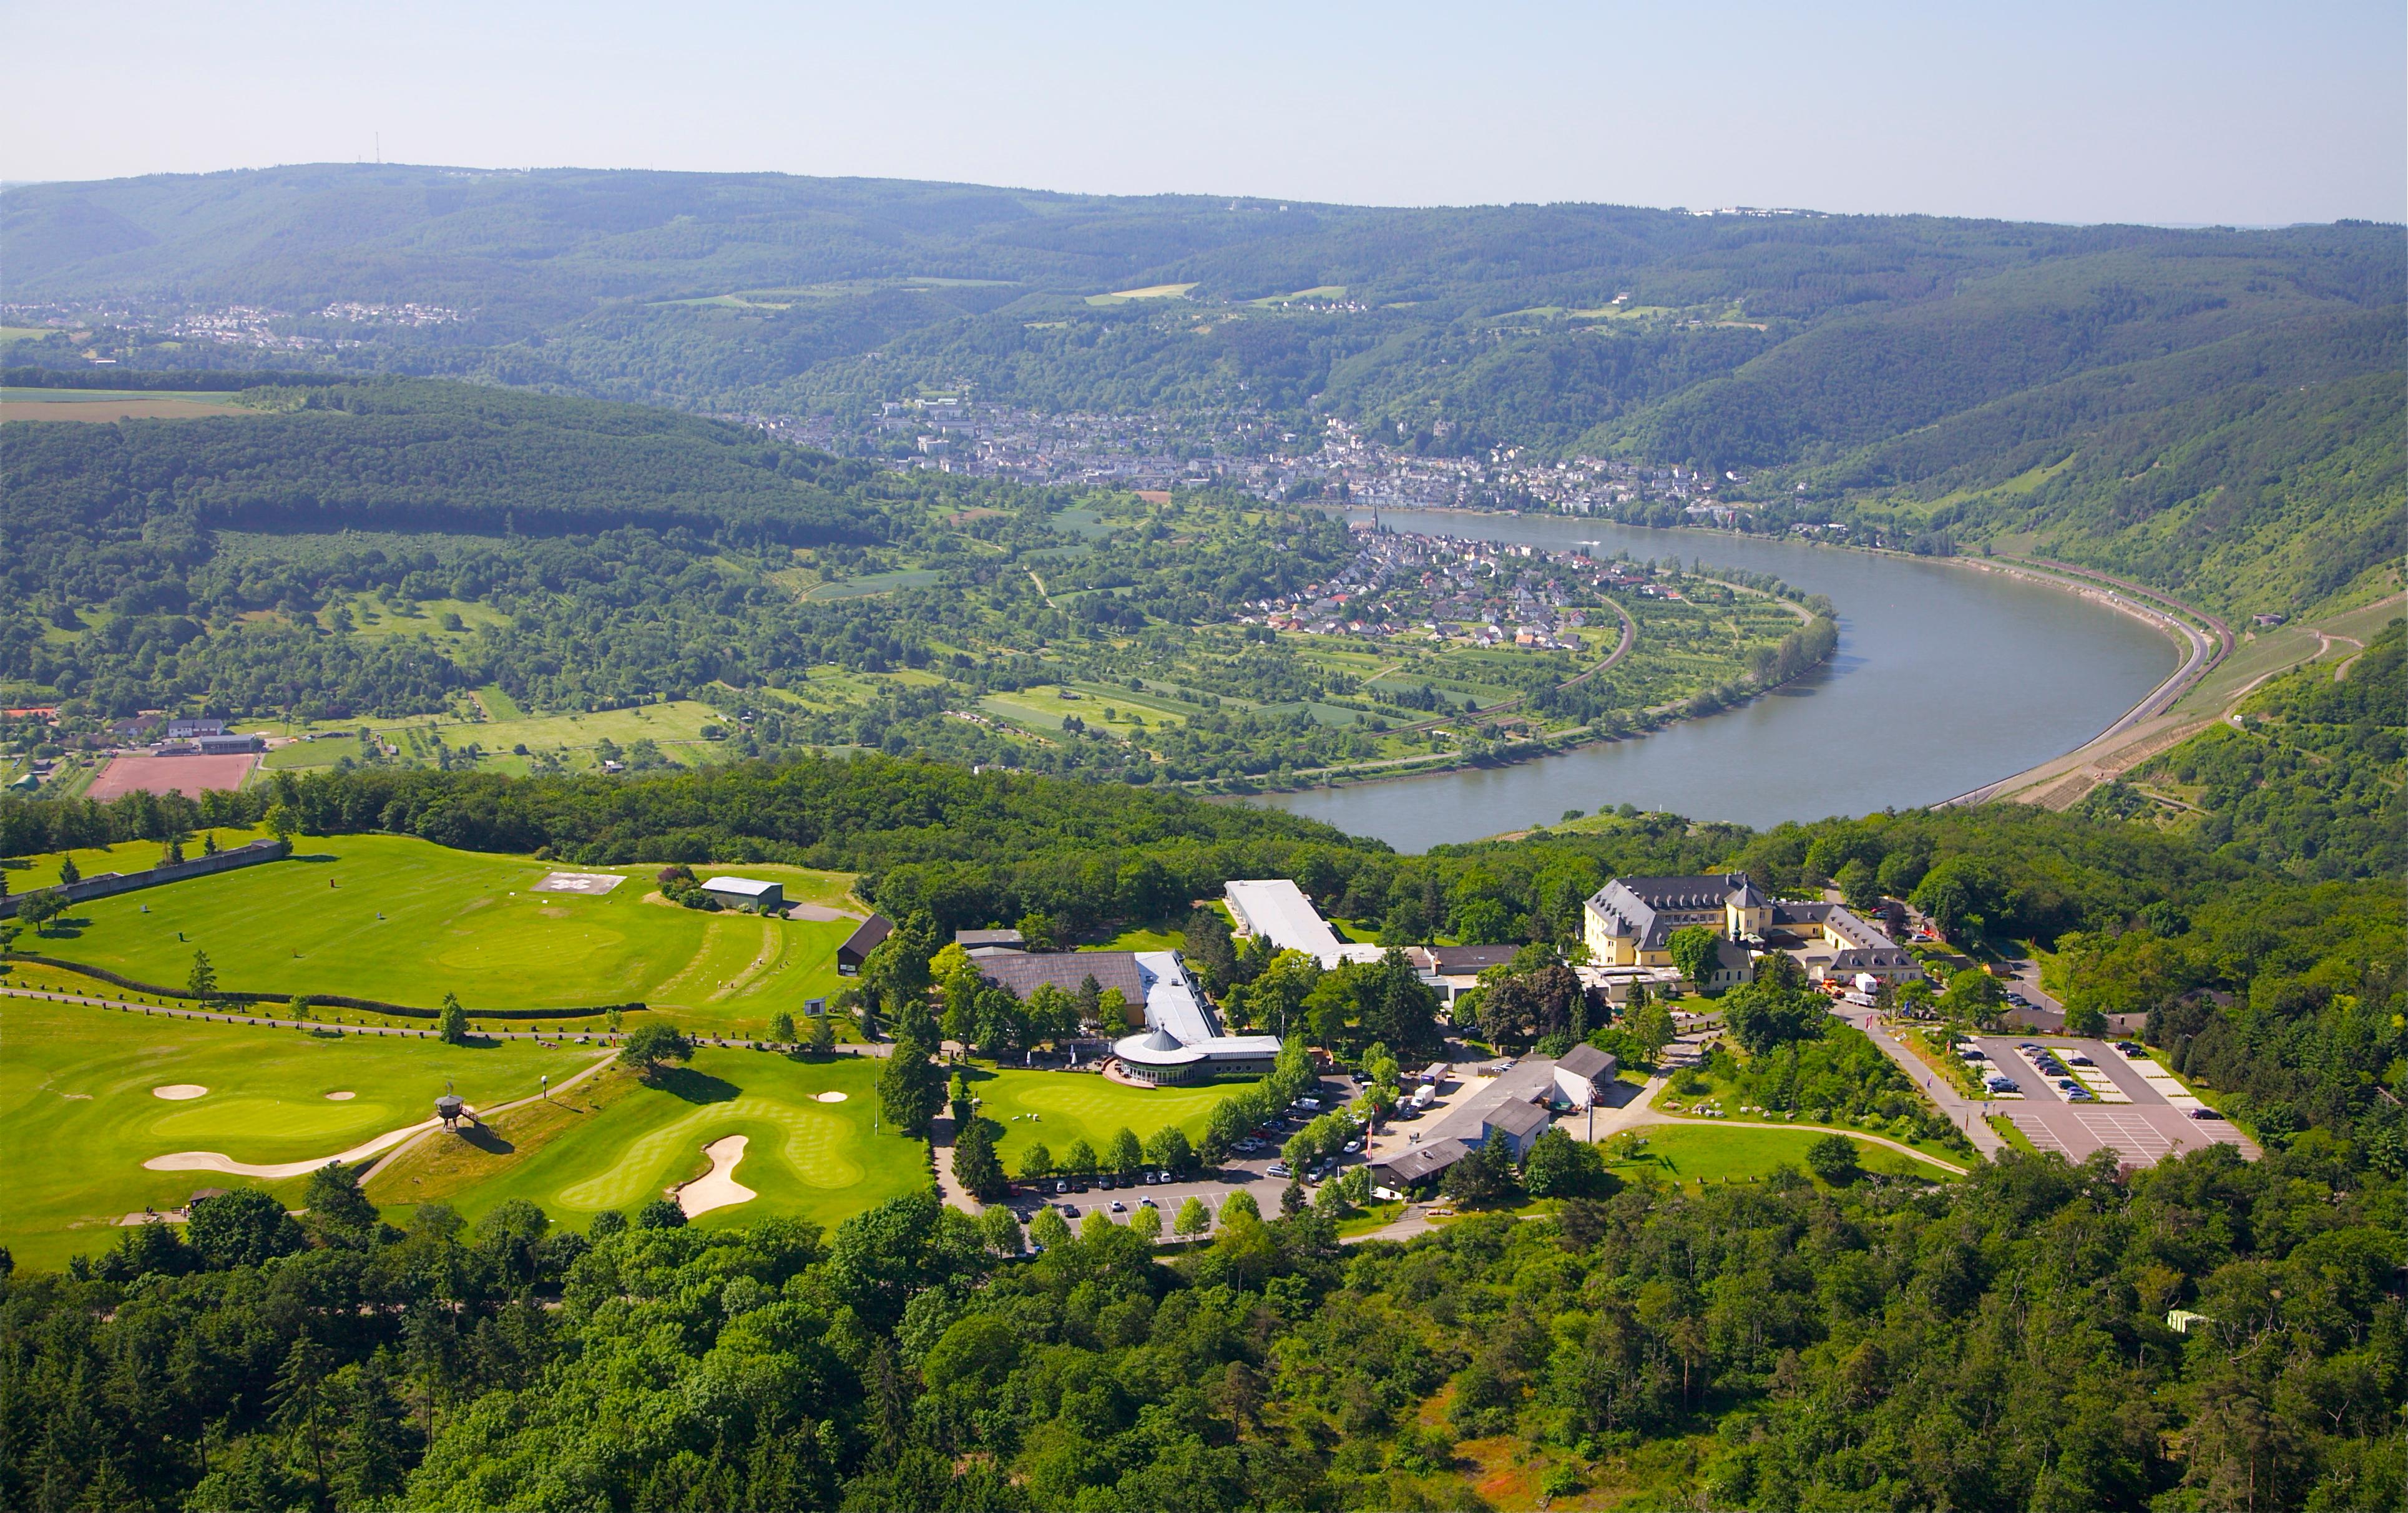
{"type": "Point", "coordinates": [109, 883]}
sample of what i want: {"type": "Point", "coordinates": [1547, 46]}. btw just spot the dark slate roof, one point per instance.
{"type": "Point", "coordinates": [967, 939]}
{"type": "Point", "coordinates": [1518, 1119]}
{"type": "Point", "coordinates": [1588, 1061]}
{"type": "Point", "coordinates": [1460, 961]}
{"type": "Point", "coordinates": [1066, 970]}
{"type": "Point", "coordinates": [1423, 1161]}
{"type": "Point", "coordinates": [867, 936]}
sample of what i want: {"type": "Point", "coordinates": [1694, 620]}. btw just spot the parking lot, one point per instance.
{"type": "Point", "coordinates": [2144, 1116]}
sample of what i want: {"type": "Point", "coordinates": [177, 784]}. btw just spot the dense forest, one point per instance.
{"type": "Point", "coordinates": [2000, 1343]}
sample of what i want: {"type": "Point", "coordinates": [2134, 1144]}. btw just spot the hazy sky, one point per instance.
{"type": "Point", "coordinates": [2199, 111]}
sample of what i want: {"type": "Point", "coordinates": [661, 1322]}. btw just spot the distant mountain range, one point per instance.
{"type": "Point", "coordinates": [2215, 409]}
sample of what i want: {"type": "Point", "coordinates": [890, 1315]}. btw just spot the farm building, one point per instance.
{"type": "Point", "coordinates": [858, 945]}
{"type": "Point", "coordinates": [748, 892]}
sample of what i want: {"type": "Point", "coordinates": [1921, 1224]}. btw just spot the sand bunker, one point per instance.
{"type": "Point", "coordinates": [218, 1161]}
{"type": "Point", "coordinates": [830, 1097]}
{"type": "Point", "coordinates": [178, 1092]}
{"type": "Point", "coordinates": [717, 1187]}
{"type": "Point", "coordinates": [346, 1095]}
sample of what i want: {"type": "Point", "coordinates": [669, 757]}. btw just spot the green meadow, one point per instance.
{"type": "Point", "coordinates": [1691, 1153]}
{"type": "Point", "coordinates": [625, 1142]}
{"type": "Point", "coordinates": [77, 1117]}
{"type": "Point", "coordinates": [403, 921]}
{"type": "Point", "coordinates": [1058, 1107]}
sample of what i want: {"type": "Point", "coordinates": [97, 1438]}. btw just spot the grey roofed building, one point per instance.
{"type": "Point", "coordinates": [866, 937]}
{"type": "Point", "coordinates": [1023, 974]}
{"type": "Point", "coordinates": [1461, 961]}
{"type": "Point", "coordinates": [1585, 1060]}
{"type": "Point", "coordinates": [1649, 909]}
{"type": "Point", "coordinates": [968, 939]}
{"type": "Point", "coordinates": [1419, 1165]}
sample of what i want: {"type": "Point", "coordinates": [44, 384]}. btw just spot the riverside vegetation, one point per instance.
{"type": "Point", "coordinates": [428, 573]}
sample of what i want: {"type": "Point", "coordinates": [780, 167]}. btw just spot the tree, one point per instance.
{"type": "Point", "coordinates": [39, 908]}
{"type": "Point", "coordinates": [1193, 1218]}
{"type": "Point", "coordinates": [1239, 1205]}
{"type": "Point", "coordinates": [201, 982]}
{"type": "Point", "coordinates": [1974, 997]}
{"type": "Point", "coordinates": [1049, 1229]}
{"type": "Point", "coordinates": [975, 1166]}
{"type": "Point", "coordinates": [1652, 1027]}
{"type": "Point", "coordinates": [1776, 1008]}
{"type": "Point", "coordinates": [661, 1213]}
{"type": "Point", "coordinates": [911, 1086]}
{"type": "Point", "coordinates": [172, 854]}
{"type": "Point", "coordinates": [1486, 1173]}
{"type": "Point", "coordinates": [823, 1037]}
{"type": "Point", "coordinates": [1079, 1160]}
{"type": "Point", "coordinates": [1169, 1150]}
{"type": "Point", "coordinates": [1127, 1155]}
{"type": "Point", "coordinates": [1694, 949]}
{"type": "Point", "coordinates": [1000, 1227]}
{"type": "Point", "coordinates": [1036, 1160]}
{"type": "Point", "coordinates": [1146, 1223]}
{"type": "Point", "coordinates": [1833, 1159]}
{"type": "Point", "coordinates": [1860, 885]}
{"type": "Point", "coordinates": [781, 1028]}
{"type": "Point", "coordinates": [299, 1006]}
{"type": "Point", "coordinates": [282, 821]}
{"type": "Point", "coordinates": [1559, 1166]}
{"type": "Point", "coordinates": [653, 1042]}
{"type": "Point", "coordinates": [452, 1023]}
{"type": "Point", "coordinates": [241, 1228]}
{"type": "Point", "coordinates": [68, 872]}
{"type": "Point", "coordinates": [335, 1202]}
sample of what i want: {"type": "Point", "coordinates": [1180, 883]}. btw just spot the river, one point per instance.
{"type": "Point", "coordinates": [1945, 680]}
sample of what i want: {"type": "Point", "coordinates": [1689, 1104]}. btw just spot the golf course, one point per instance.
{"type": "Point", "coordinates": [403, 921]}
{"type": "Point", "coordinates": [1059, 1107]}
{"type": "Point", "coordinates": [618, 1141]}
{"type": "Point", "coordinates": [81, 1108]}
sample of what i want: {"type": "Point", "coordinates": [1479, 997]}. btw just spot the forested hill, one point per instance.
{"type": "Point", "coordinates": [2214, 410]}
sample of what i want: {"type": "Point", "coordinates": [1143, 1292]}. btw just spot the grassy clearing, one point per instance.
{"type": "Point", "coordinates": [105, 405]}
{"type": "Point", "coordinates": [571, 738]}
{"type": "Point", "coordinates": [1058, 1107]}
{"type": "Point", "coordinates": [26, 872]}
{"type": "Point", "coordinates": [1149, 291]}
{"type": "Point", "coordinates": [1690, 1154]}
{"type": "Point", "coordinates": [875, 584]}
{"type": "Point", "coordinates": [624, 1143]}
{"type": "Point", "coordinates": [405, 921]}
{"type": "Point", "coordinates": [77, 1117]}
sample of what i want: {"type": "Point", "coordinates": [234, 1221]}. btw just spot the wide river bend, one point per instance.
{"type": "Point", "coordinates": [1945, 680]}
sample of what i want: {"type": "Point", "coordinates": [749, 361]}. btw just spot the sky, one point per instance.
{"type": "Point", "coordinates": [2133, 111]}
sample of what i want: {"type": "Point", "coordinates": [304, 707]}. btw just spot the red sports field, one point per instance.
{"type": "Point", "coordinates": [169, 774]}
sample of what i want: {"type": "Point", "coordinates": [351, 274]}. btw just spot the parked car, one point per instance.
{"type": "Point", "coordinates": [1352, 1145]}
{"type": "Point", "coordinates": [1119, 1208]}
{"type": "Point", "coordinates": [1279, 1168]}
{"type": "Point", "coordinates": [2202, 1113]}
{"type": "Point", "coordinates": [1148, 1202]}
{"type": "Point", "coordinates": [2078, 1059]}
{"type": "Point", "coordinates": [1062, 1186]}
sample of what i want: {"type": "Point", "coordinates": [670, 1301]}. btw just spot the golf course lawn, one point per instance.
{"type": "Point", "coordinates": [621, 1143]}
{"type": "Point", "coordinates": [404, 921]}
{"type": "Point", "coordinates": [77, 1117]}
{"type": "Point", "coordinates": [1687, 1152]}
{"type": "Point", "coordinates": [27, 873]}
{"type": "Point", "coordinates": [1059, 1107]}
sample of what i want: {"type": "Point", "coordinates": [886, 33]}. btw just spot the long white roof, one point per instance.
{"type": "Point", "coordinates": [1276, 910]}
{"type": "Point", "coordinates": [1175, 1007]}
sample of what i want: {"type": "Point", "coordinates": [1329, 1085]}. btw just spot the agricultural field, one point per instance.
{"type": "Point", "coordinates": [1690, 1153]}
{"type": "Point", "coordinates": [1058, 1107]}
{"type": "Point", "coordinates": [79, 1115]}
{"type": "Point", "coordinates": [404, 921]}
{"type": "Point", "coordinates": [102, 405]}
{"type": "Point", "coordinates": [618, 1142]}
{"type": "Point", "coordinates": [571, 742]}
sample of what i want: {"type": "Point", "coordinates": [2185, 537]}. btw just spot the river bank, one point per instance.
{"type": "Point", "coordinates": [1929, 695]}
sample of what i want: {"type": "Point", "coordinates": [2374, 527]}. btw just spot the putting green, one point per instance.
{"type": "Point", "coordinates": [79, 1118]}
{"type": "Point", "coordinates": [1073, 1106]}
{"type": "Point", "coordinates": [405, 921]}
{"type": "Point", "coordinates": [620, 1146]}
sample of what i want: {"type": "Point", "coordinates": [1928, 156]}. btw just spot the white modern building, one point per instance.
{"type": "Point", "coordinates": [745, 892]}
{"type": "Point", "coordinates": [1276, 910]}
{"type": "Point", "coordinates": [1182, 1036]}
